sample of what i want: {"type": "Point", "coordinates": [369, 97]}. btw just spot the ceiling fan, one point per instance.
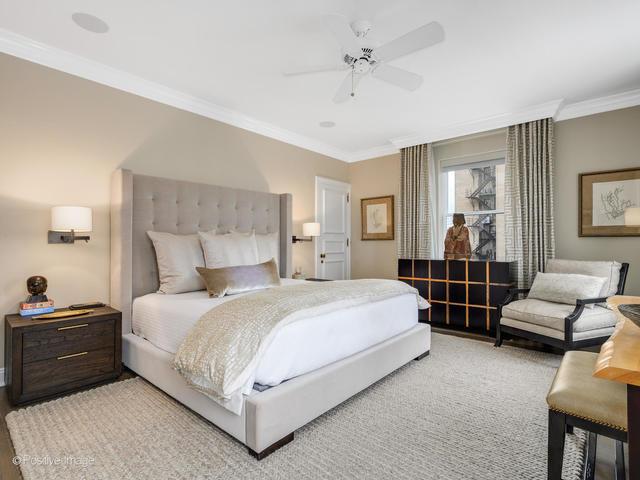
{"type": "Point", "coordinates": [360, 57]}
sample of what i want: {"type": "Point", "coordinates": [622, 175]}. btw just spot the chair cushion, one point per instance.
{"type": "Point", "coordinates": [609, 269]}
{"type": "Point", "coordinates": [577, 392]}
{"type": "Point", "coordinates": [552, 315]}
{"type": "Point", "coordinates": [566, 287]}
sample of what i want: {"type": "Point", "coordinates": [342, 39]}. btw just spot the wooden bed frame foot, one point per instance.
{"type": "Point", "coordinates": [425, 354]}
{"type": "Point", "coordinates": [272, 448]}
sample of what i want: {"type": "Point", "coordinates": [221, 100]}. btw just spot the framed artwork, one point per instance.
{"type": "Point", "coordinates": [604, 196]}
{"type": "Point", "coordinates": [377, 218]}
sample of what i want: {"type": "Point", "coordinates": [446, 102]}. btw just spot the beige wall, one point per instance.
{"type": "Point", "coordinates": [60, 139]}
{"type": "Point", "coordinates": [373, 178]}
{"type": "Point", "coordinates": [606, 141]}
{"type": "Point", "coordinates": [598, 142]}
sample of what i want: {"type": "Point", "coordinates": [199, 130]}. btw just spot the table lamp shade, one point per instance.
{"type": "Point", "coordinates": [311, 229]}
{"type": "Point", "coordinates": [66, 219]}
{"type": "Point", "coordinates": [632, 217]}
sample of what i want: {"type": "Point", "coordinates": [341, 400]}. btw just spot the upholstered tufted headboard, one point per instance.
{"type": "Point", "coordinates": [140, 203]}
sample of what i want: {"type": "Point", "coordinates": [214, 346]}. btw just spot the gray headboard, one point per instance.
{"type": "Point", "coordinates": [140, 203]}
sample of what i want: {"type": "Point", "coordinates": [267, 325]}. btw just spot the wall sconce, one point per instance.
{"type": "Point", "coordinates": [309, 230]}
{"type": "Point", "coordinates": [632, 217]}
{"type": "Point", "coordinates": [67, 221]}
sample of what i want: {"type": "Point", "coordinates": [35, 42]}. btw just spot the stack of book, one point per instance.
{"type": "Point", "coordinates": [36, 308]}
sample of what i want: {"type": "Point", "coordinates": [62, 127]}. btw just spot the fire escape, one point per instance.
{"type": "Point", "coordinates": [484, 198]}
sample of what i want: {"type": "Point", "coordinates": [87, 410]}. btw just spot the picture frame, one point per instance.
{"type": "Point", "coordinates": [603, 197]}
{"type": "Point", "coordinates": [377, 218]}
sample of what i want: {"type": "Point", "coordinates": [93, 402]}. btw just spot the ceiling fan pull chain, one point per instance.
{"type": "Point", "coordinates": [353, 74]}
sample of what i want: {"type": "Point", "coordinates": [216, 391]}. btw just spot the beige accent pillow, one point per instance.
{"type": "Point", "coordinates": [566, 287]}
{"type": "Point", "coordinates": [238, 279]}
{"type": "Point", "coordinates": [229, 250]}
{"type": "Point", "coordinates": [268, 246]}
{"type": "Point", "coordinates": [176, 256]}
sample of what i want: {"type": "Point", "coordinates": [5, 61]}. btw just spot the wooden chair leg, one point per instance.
{"type": "Point", "coordinates": [498, 336]}
{"type": "Point", "coordinates": [620, 470]}
{"type": "Point", "coordinates": [590, 466]}
{"type": "Point", "coordinates": [555, 454]}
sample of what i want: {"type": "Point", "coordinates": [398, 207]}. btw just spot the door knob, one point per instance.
{"type": "Point", "coordinates": [322, 255]}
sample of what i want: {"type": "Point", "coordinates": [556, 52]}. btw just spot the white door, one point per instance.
{"type": "Point", "coordinates": [333, 211]}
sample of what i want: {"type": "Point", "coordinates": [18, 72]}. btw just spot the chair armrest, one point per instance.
{"type": "Point", "coordinates": [512, 294]}
{"type": "Point", "coordinates": [580, 304]}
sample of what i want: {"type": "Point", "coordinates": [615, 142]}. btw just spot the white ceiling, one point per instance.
{"type": "Point", "coordinates": [501, 61]}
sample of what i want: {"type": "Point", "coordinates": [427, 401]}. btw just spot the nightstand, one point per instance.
{"type": "Point", "coordinates": [44, 358]}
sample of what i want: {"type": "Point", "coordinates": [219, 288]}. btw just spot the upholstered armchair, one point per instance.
{"type": "Point", "coordinates": [568, 327]}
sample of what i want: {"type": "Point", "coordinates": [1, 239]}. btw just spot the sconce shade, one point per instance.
{"type": "Point", "coordinates": [311, 229]}
{"type": "Point", "coordinates": [66, 219]}
{"type": "Point", "coordinates": [632, 217]}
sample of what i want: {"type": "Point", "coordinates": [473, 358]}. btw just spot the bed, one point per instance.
{"type": "Point", "coordinates": [304, 379]}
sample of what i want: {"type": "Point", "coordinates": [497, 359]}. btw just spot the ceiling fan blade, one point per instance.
{"type": "Point", "coordinates": [423, 37]}
{"type": "Point", "coordinates": [347, 86]}
{"type": "Point", "coordinates": [304, 70]}
{"type": "Point", "coordinates": [343, 33]}
{"type": "Point", "coordinates": [397, 76]}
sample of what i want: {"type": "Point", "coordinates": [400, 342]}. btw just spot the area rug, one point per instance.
{"type": "Point", "coordinates": [468, 411]}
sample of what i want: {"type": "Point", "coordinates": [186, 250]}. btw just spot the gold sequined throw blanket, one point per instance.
{"type": "Point", "coordinates": [220, 355]}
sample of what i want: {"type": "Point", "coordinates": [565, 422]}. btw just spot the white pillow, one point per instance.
{"type": "Point", "coordinates": [177, 257]}
{"type": "Point", "coordinates": [566, 287]}
{"type": "Point", "coordinates": [229, 250]}
{"type": "Point", "coordinates": [268, 247]}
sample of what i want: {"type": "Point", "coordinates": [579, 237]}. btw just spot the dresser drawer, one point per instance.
{"type": "Point", "coordinates": [55, 373]}
{"type": "Point", "coordinates": [70, 338]}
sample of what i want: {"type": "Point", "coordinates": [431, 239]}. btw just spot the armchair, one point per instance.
{"type": "Point", "coordinates": [563, 326]}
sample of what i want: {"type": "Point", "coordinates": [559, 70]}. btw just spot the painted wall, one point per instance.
{"type": "Point", "coordinates": [606, 141]}
{"type": "Point", "coordinates": [372, 178]}
{"type": "Point", "coordinates": [60, 139]}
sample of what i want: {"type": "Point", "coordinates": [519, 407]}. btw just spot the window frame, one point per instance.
{"type": "Point", "coordinates": [465, 162]}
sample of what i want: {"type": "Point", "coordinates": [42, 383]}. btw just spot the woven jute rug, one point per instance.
{"type": "Point", "coordinates": [468, 411]}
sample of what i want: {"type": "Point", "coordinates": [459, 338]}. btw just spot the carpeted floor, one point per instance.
{"type": "Point", "coordinates": [468, 411]}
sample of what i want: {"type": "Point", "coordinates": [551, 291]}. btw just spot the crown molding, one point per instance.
{"type": "Point", "coordinates": [494, 122]}
{"type": "Point", "coordinates": [599, 105]}
{"type": "Point", "coordinates": [58, 59]}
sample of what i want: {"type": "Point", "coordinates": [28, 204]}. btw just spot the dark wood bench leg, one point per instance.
{"type": "Point", "coordinates": [498, 335]}
{"type": "Point", "coordinates": [620, 473]}
{"type": "Point", "coordinates": [569, 429]}
{"type": "Point", "coordinates": [590, 466]}
{"type": "Point", "coordinates": [555, 454]}
{"type": "Point", "coordinates": [272, 448]}
{"type": "Point", "coordinates": [425, 354]}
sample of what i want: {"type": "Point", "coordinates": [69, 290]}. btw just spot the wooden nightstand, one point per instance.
{"type": "Point", "coordinates": [44, 358]}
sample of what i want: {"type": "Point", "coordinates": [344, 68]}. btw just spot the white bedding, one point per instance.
{"type": "Point", "coordinates": [298, 348]}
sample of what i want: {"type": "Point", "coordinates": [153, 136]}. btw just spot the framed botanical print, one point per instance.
{"type": "Point", "coordinates": [604, 197]}
{"type": "Point", "coordinates": [377, 218]}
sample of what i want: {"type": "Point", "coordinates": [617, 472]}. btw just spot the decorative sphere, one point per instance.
{"type": "Point", "coordinates": [37, 285]}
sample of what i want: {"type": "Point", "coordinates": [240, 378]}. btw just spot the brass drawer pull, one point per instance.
{"type": "Point", "coordinates": [73, 326]}
{"type": "Point", "coordinates": [72, 355]}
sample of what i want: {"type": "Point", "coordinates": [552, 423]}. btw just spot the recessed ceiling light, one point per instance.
{"type": "Point", "coordinates": [90, 22]}
{"type": "Point", "coordinates": [327, 124]}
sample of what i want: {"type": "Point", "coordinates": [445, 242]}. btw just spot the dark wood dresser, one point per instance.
{"type": "Point", "coordinates": [44, 358]}
{"type": "Point", "coordinates": [463, 294]}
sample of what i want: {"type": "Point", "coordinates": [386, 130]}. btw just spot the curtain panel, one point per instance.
{"type": "Point", "coordinates": [528, 203]}
{"type": "Point", "coordinates": [415, 225]}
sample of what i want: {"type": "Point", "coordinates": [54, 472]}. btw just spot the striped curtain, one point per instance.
{"type": "Point", "coordinates": [415, 211]}
{"type": "Point", "coordinates": [528, 203]}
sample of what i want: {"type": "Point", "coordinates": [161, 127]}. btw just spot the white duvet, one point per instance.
{"type": "Point", "coordinates": [298, 348]}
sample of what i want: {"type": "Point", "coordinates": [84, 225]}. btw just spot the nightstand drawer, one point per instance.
{"type": "Point", "coordinates": [49, 374]}
{"type": "Point", "coordinates": [69, 338]}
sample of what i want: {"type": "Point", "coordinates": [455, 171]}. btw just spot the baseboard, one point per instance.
{"type": "Point", "coordinates": [1, 377]}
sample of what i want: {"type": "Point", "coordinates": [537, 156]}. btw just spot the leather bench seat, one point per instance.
{"type": "Point", "coordinates": [575, 391]}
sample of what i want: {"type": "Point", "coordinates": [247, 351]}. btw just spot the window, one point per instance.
{"type": "Point", "coordinates": [477, 190]}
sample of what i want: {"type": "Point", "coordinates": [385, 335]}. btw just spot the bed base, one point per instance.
{"type": "Point", "coordinates": [269, 418]}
